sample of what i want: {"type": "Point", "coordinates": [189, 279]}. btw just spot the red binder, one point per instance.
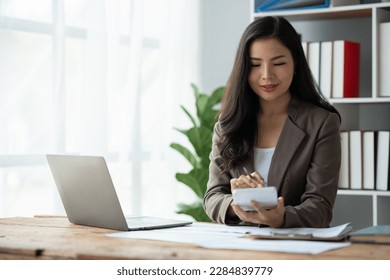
{"type": "Point", "coordinates": [346, 69]}
{"type": "Point", "coordinates": [351, 69]}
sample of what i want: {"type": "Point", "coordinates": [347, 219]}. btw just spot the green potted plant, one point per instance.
{"type": "Point", "coordinates": [200, 137]}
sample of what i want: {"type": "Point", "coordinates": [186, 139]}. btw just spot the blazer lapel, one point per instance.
{"type": "Point", "coordinates": [290, 139]}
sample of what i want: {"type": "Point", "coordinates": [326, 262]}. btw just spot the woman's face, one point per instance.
{"type": "Point", "coordinates": [272, 69]}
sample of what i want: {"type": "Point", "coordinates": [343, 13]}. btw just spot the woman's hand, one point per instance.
{"type": "Point", "coordinates": [253, 180]}
{"type": "Point", "coordinates": [272, 217]}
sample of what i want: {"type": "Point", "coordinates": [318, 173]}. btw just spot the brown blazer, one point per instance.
{"type": "Point", "coordinates": [304, 169]}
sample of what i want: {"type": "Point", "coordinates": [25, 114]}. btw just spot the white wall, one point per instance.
{"type": "Point", "coordinates": [222, 24]}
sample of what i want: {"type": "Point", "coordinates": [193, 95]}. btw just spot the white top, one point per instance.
{"type": "Point", "coordinates": [262, 160]}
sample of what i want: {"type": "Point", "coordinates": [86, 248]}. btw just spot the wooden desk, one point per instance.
{"type": "Point", "coordinates": [56, 238]}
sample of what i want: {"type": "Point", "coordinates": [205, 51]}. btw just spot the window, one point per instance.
{"type": "Point", "coordinates": [95, 77]}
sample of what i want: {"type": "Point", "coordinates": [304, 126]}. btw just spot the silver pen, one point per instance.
{"type": "Point", "coordinates": [248, 174]}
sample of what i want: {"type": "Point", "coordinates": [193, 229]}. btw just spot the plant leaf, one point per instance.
{"type": "Point", "coordinates": [209, 118]}
{"type": "Point", "coordinates": [201, 140]}
{"type": "Point", "coordinates": [201, 104]}
{"type": "Point", "coordinates": [196, 179]}
{"type": "Point", "coordinates": [194, 210]}
{"type": "Point", "coordinates": [189, 115]}
{"type": "Point", "coordinates": [184, 131]}
{"type": "Point", "coordinates": [187, 154]}
{"type": "Point", "coordinates": [195, 89]}
{"type": "Point", "coordinates": [200, 137]}
{"type": "Point", "coordinates": [207, 114]}
{"type": "Point", "coordinates": [216, 97]}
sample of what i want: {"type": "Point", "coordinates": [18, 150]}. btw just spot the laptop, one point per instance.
{"type": "Point", "coordinates": [89, 198]}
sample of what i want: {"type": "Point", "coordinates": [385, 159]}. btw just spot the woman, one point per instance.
{"type": "Point", "coordinates": [274, 122]}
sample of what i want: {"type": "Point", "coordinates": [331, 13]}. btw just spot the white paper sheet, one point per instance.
{"type": "Point", "coordinates": [315, 232]}
{"type": "Point", "coordinates": [218, 236]}
{"type": "Point", "coordinates": [287, 246]}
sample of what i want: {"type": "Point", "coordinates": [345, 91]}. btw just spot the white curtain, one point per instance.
{"type": "Point", "coordinates": [95, 77]}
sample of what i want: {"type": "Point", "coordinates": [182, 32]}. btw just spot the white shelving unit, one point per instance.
{"type": "Point", "coordinates": [358, 23]}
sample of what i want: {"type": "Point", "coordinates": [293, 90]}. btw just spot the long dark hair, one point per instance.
{"type": "Point", "coordinates": [240, 104]}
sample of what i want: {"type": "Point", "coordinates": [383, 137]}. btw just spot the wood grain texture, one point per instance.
{"type": "Point", "coordinates": [55, 238]}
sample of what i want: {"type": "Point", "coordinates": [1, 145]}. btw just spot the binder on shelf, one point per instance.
{"type": "Point", "coordinates": [383, 164]}
{"type": "Point", "coordinates": [326, 65]}
{"type": "Point", "coordinates": [314, 52]}
{"type": "Point", "coordinates": [384, 59]}
{"type": "Point", "coordinates": [356, 159]}
{"type": "Point", "coordinates": [346, 68]}
{"type": "Point", "coordinates": [369, 163]}
{"type": "Point", "coordinates": [271, 5]}
{"type": "Point", "coordinates": [344, 168]}
{"type": "Point", "coordinates": [375, 234]}
{"type": "Point", "coordinates": [304, 47]}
